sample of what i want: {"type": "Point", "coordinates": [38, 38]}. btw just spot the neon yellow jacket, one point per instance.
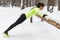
{"type": "Point", "coordinates": [32, 12]}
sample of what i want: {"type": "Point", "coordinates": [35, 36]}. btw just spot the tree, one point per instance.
{"type": "Point", "coordinates": [50, 3]}
{"type": "Point", "coordinates": [58, 5]}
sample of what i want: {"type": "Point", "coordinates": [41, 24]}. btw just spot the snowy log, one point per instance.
{"type": "Point", "coordinates": [50, 21]}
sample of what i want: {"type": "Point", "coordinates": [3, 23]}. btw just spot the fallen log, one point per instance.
{"type": "Point", "coordinates": [50, 21]}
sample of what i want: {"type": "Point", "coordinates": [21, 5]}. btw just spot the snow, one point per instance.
{"type": "Point", "coordinates": [28, 31]}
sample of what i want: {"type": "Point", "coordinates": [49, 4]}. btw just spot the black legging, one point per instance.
{"type": "Point", "coordinates": [19, 21]}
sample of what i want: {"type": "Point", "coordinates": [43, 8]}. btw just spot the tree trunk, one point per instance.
{"type": "Point", "coordinates": [58, 5]}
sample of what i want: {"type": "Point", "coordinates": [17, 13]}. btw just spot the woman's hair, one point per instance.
{"type": "Point", "coordinates": [40, 4]}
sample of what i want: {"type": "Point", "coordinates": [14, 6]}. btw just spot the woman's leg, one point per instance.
{"type": "Point", "coordinates": [19, 21]}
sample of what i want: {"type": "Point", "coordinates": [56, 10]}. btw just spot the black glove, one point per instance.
{"type": "Point", "coordinates": [43, 17]}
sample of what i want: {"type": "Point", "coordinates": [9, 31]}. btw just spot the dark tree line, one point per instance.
{"type": "Point", "coordinates": [28, 3]}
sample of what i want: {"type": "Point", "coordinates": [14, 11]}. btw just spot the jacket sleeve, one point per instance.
{"type": "Point", "coordinates": [38, 12]}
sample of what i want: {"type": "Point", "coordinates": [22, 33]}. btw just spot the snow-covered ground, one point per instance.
{"type": "Point", "coordinates": [28, 31]}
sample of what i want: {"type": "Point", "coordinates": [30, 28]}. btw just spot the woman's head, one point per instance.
{"type": "Point", "coordinates": [40, 5]}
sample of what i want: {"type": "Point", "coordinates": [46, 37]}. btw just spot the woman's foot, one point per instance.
{"type": "Point", "coordinates": [6, 35]}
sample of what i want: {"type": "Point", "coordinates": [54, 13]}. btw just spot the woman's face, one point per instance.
{"type": "Point", "coordinates": [41, 8]}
